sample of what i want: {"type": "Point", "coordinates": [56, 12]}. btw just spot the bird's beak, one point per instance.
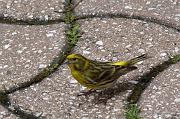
{"type": "Point", "coordinates": [65, 62]}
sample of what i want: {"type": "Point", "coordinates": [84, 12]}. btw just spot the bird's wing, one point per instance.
{"type": "Point", "coordinates": [105, 75]}
{"type": "Point", "coordinates": [99, 73]}
{"type": "Point", "coordinates": [123, 70]}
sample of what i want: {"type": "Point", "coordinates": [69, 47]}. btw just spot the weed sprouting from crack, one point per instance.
{"type": "Point", "coordinates": [146, 79]}
{"type": "Point", "coordinates": [132, 110]}
{"type": "Point", "coordinates": [72, 36]}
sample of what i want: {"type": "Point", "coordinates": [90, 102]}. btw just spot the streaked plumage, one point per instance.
{"type": "Point", "coordinates": [98, 75]}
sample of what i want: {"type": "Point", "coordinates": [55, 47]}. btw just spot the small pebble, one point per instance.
{"type": "Point", "coordinates": [177, 100]}
{"type": "Point", "coordinates": [49, 34]}
{"type": "Point", "coordinates": [163, 54]}
{"type": "Point", "coordinates": [86, 52]}
{"type": "Point", "coordinates": [99, 43]}
{"type": "Point", "coordinates": [42, 66]}
{"type": "Point", "coordinates": [73, 81]}
{"type": "Point", "coordinates": [141, 50]}
{"type": "Point", "coordinates": [7, 46]}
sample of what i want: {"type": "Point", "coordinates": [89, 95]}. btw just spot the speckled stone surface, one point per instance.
{"type": "Point", "coordinates": [120, 39]}
{"type": "Point", "coordinates": [5, 114]}
{"type": "Point", "coordinates": [23, 9]}
{"type": "Point", "coordinates": [56, 97]}
{"type": "Point", "coordinates": [25, 50]}
{"type": "Point", "coordinates": [161, 100]}
{"type": "Point", "coordinates": [168, 10]}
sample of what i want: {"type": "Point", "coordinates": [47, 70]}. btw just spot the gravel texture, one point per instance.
{"type": "Point", "coordinates": [25, 50]}
{"type": "Point", "coordinates": [23, 9]}
{"type": "Point", "coordinates": [168, 10]}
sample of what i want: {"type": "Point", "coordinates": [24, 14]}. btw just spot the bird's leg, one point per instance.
{"type": "Point", "coordinates": [86, 93]}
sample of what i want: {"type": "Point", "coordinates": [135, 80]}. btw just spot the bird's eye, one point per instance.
{"type": "Point", "coordinates": [74, 59]}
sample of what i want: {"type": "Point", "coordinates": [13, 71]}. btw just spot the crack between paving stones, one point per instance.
{"type": "Point", "coordinates": [67, 48]}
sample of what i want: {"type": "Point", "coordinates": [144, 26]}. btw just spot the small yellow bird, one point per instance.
{"type": "Point", "coordinates": [98, 75]}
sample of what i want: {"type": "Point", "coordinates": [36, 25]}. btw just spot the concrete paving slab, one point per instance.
{"type": "Point", "coordinates": [33, 47]}
{"type": "Point", "coordinates": [5, 114]}
{"type": "Point", "coordinates": [168, 10]}
{"type": "Point", "coordinates": [123, 38]}
{"type": "Point", "coordinates": [56, 97]}
{"type": "Point", "coordinates": [23, 9]}
{"type": "Point", "coordinates": [25, 50]}
{"type": "Point", "coordinates": [107, 39]}
{"type": "Point", "coordinates": [120, 39]}
{"type": "Point", "coordinates": [161, 100]}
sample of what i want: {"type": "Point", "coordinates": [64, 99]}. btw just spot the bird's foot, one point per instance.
{"type": "Point", "coordinates": [86, 93]}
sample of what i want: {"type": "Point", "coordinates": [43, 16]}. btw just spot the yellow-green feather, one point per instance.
{"type": "Point", "coordinates": [120, 63]}
{"type": "Point", "coordinates": [97, 75]}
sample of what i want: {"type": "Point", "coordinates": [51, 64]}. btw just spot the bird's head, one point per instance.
{"type": "Point", "coordinates": [76, 61]}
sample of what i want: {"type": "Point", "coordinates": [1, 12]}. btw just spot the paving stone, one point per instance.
{"type": "Point", "coordinates": [4, 112]}
{"type": "Point", "coordinates": [23, 9]}
{"type": "Point", "coordinates": [122, 39]}
{"type": "Point", "coordinates": [161, 99]}
{"type": "Point", "coordinates": [25, 50]}
{"type": "Point", "coordinates": [56, 97]}
{"type": "Point", "coordinates": [168, 10]}
{"type": "Point", "coordinates": [104, 40]}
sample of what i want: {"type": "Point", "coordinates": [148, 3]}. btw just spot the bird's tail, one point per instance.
{"type": "Point", "coordinates": [137, 59]}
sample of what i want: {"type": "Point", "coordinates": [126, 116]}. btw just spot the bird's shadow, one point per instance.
{"type": "Point", "coordinates": [103, 96]}
{"type": "Point", "coordinates": [106, 94]}
{"type": "Point", "coordinates": [137, 89]}
{"type": "Point", "coordinates": [16, 109]}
